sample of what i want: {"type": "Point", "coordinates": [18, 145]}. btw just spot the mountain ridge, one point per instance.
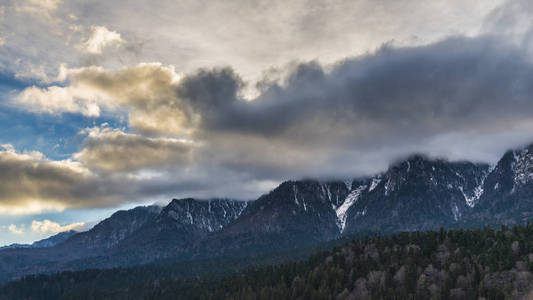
{"type": "Point", "coordinates": [418, 193]}
{"type": "Point", "coordinates": [46, 242]}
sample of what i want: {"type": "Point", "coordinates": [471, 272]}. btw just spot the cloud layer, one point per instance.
{"type": "Point", "coordinates": [47, 226]}
{"type": "Point", "coordinates": [112, 150]}
{"type": "Point", "coordinates": [30, 183]}
{"type": "Point", "coordinates": [224, 112]}
{"type": "Point", "coordinates": [350, 118]}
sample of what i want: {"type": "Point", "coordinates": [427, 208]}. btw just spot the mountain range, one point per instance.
{"type": "Point", "coordinates": [418, 193]}
{"type": "Point", "coordinates": [48, 242]}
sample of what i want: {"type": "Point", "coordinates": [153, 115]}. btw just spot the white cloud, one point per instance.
{"type": "Point", "coordinates": [44, 4]}
{"type": "Point", "coordinates": [16, 230]}
{"type": "Point", "coordinates": [101, 37]}
{"type": "Point", "coordinates": [47, 226]}
{"type": "Point", "coordinates": [56, 99]}
{"type": "Point", "coordinates": [43, 8]}
{"type": "Point", "coordinates": [113, 150]}
{"type": "Point", "coordinates": [146, 91]}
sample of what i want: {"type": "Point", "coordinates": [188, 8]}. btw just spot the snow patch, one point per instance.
{"type": "Point", "coordinates": [348, 202]}
{"type": "Point", "coordinates": [374, 184]}
{"type": "Point", "coordinates": [456, 212]}
{"type": "Point", "coordinates": [522, 168]}
{"type": "Point", "coordinates": [478, 191]}
{"type": "Point", "coordinates": [189, 217]}
{"type": "Point", "coordinates": [295, 190]}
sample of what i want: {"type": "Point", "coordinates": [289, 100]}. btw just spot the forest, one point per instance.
{"type": "Point", "coordinates": [456, 264]}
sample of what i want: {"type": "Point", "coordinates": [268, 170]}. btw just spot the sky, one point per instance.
{"type": "Point", "coordinates": [106, 105]}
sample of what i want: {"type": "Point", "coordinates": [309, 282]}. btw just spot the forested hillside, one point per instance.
{"type": "Point", "coordinates": [457, 264]}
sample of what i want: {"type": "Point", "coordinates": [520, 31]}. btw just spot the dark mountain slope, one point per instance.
{"type": "Point", "coordinates": [48, 242]}
{"type": "Point", "coordinates": [55, 239]}
{"type": "Point", "coordinates": [507, 195]}
{"type": "Point", "coordinates": [180, 224]}
{"type": "Point", "coordinates": [417, 194]}
{"type": "Point", "coordinates": [108, 233]}
{"type": "Point", "coordinates": [100, 239]}
{"type": "Point", "coordinates": [295, 214]}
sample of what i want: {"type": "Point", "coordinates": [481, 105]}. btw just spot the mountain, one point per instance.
{"type": "Point", "coordinates": [295, 214]}
{"type": "Point", "coordinates": [48, 242]}
{"type": "Point", "coordinates": [71, 253]}
{"type": "Point", "coordinates": [179, 224]}
{"type": "Point", "coordinates": [507, 193]}
{"type": "Point", "coordinates": [55, 239]}
{"type": "Point", "coordinates": [418, 193]}
{"type": "Point", "coordinates": [134, 236]}
{"type": "Point", "coordinates": [16, 246]}
{"type": "Point", "coordinates": [109, 232]}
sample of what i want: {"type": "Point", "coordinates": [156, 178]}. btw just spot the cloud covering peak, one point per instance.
{"type": "Point", "coordinates": [448, 99]}
{"type": "Point", "coordinates": [243, 95]}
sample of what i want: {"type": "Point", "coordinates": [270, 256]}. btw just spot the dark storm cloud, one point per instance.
{"type": "Point", "coordinates": [456, 83]}
{"type": "Point", "coordinates": [392, 102]}
{"type": "Point", "coordinates": [210, 91]}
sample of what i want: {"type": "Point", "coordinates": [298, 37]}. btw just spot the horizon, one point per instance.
{"type": "Point", "coordinates": [108, 106]}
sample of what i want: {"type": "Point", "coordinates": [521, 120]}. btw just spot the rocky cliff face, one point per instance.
{"type": "Point", "coordinates": [416, 194]}
{"type": "Point", "coordinates": [180, 224]}
{"type": "Point", "coordinates": [206, 216]}
{"type": "Point", "coordinates": [111, 231]}
{"type": "Point", "coordinates": [295, 214]}
{"type": "Point", "coordinates": [507, 193]}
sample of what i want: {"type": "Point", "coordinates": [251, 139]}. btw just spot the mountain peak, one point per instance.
{"type": "Point", "coordinates": [209, 215]}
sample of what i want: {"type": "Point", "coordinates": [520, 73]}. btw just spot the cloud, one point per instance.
{"type": "Point", "coordinates": [146, 89]}
{"type": "Point", "coordinates": [367, 110]}
{"type": "Point", "coordinates": [277, 31]}
{"type": "Point", "coordinates": [194, 38]}
{"type": "Point", "coordinates": [112, 150]}
{"type": "Point", "coordinates": [196, 134]}
{"type": "Point", "coordinates": [54, 100]}
{"type": "Point", "coordinates": [30, 183]}
{"type": "Point", "coordinates": [156, 98]}
{"type": "Point", "coordinates": [102, 37]}
{"type": "Point", "coordinates": [38, 7]}
{"type": "Point", "coordinates": [354, 101]}
{"type": "Point", "coordinates": [47, 226]}
{"type": "Point", "coordinates": [44, 4]}
{"type": "Point", "coordinates": [16, 230]}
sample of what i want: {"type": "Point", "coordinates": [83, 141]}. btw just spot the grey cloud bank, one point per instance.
{"type": "Point", "coordinates": [460, 98]}
{"type": "Point", "coordinates": [193, 128]}
{"type": "Point", "coordinates": [392, 102]}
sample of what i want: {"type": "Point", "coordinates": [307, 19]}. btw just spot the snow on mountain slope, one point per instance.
{"type": "Point", "coordinates": [522, 167]}
{"type": "Point", "coordinates": [348, 202]}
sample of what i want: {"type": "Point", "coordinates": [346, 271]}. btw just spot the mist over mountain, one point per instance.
{"type": "Point", "coordinates": [416, 194]}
